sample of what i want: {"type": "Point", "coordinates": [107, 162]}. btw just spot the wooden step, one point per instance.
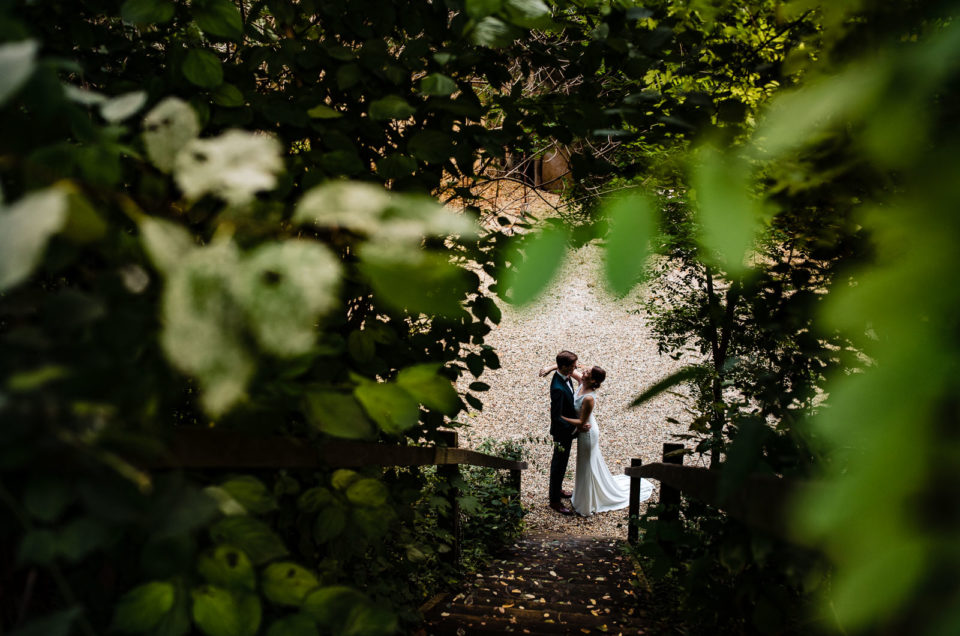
{"type": "Point", "coordinates": [546, 585]}
{"type": "Point", "coordinates": [465, 625]}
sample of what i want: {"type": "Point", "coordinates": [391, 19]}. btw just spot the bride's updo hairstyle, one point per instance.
{"type": "Point", "coordinates": [597, 376]}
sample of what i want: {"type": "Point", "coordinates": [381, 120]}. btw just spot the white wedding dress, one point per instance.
{"type": "Point", "coordinates": [595, 489]}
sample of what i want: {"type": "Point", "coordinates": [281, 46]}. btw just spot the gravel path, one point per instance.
{"type": "Point", "coordinates": [576, 313]}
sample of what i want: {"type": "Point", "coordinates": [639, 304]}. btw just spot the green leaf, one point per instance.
{"type": "Point", "coordinates": [342, 162]}
{"type": "Point", "coordinates": [361, 345]}
{"type": "Point", "coordinates": [431, 146]}
{"type": "Point", "coordinates": [429, 388]}
{"type": "Point", "coordinates": [84, 224]}
{"type": "Point", "coordinates": [25, 229]}
{"type": "Point", "coordinates": [370, 620]}
{"type": "Point", "coordinates": [39, 547]}
{"type": "Point", "coordinates": [338, 414]}
{"type": "Point", "coordinates": [167, 128]}
{"type": "Point", "coordinates": [413, 280]}
{"type": "Point", "coordinates": [800, 117]}
{"type": "Point", "coordinates": [396, 166]}
{"type": "Point", "coordinates": [353, 206]}
{"type": "Point", "coordinates": [861, 594]}
{"type": "Point", "coordinates": [678, 377]}
{"type": "Point", "coordinates": [121, 107]}
{"type": "Point", "coordinates": [218, 612]}
{"type": "Point", "coordinates": [494, 33]}
{"type": "Point", "coordinates": [54, 624]}
{"type": "Point", "coordinates": [367, 492]}
{"type": "Point", "coordinates": [46, 497]}
{"type": "Point", "coordinates": [33, 379]}
{"type": "Point", "coordinates": [166, 243]}
{"type": "Point", "coordinates": [348, 75]}
{"type": "Point", "coordinates": [535, 259]}
{"type": "Point", "coordinates": [17, 63]}
{"type": "Point", "coordinates": [141, 608]}
{"type": "Point", "coordinates": [329, 524]}
{"type": "Point", "coordinates": [331, 606]}
{"type": "Point", "coordinates": [477, 9]}
{"type": "Point", "coordinates": [293, 625]}
{"type": "Point", "coordinates": [228, 96]}
{"type": "Point", "coordinates": [176, 622]}
{"type": "Point", "coordinates": [147, 11]}
{"type": "Point", "coordinates": [226, 504]}
{"type": "Point", "coordinates": [468, 503]}
{"type": "Point", "coordinates": [212, 166]}
{"type": "Point", "coordinates": [729, 216]}
{"type": "Point", "coordinates": [284, 288]}
{"type": "Point", "coordinates": [82, 536]}
{"type": "Point", "coordinates": [374, 523]}
{"type": "Point", "coordinates": [390, 107]}
{"type": "Point", "coordinates": [219, 18]}
{"type": "Point", "coordinates": [251, 493]}
{"type": "Point", "coordinates": [437, 84]}
{"type": "Point", "coordinates": [632, 226]}
{"type": "Point", "coordinates": [314, 499]}
{"type": "Point", "coordinates": [392, 408]}
{"type": "Point", "coordinates": [322, 111]}
{"type": "Point", "coordinates": [742, 457]}
{"type": "Point", "coordinates": [531, 14]}
{"type": "Point", "coordinates": [202, 68]}
{"type": "Point", "coordinates": [203, 332]}
{"type": "Point", "coordinates": [227, 567]}
{"type": "Point", "coordinates": [287, 583]}
{"type": "Point", "coordinates": [343, 477]}
{"type": "Point", "coordinates": [252, 536]}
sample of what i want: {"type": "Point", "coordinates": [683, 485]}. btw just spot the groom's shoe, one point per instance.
{"type": "Point", "coordinates": [566, 494]}
{"type": "Point", "coordinates": [559, 507]}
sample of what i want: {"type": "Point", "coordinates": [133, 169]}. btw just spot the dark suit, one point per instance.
{"type": "Point", "coordinates": [561, 404]}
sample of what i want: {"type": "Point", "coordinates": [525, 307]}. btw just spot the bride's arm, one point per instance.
{"type": "Point", "coordinates": [553, 367]}
{"type": "Point", "coordinates": [582, 424]}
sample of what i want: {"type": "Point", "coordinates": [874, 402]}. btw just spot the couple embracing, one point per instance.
{"type": "Point", "coordinates": [571, 417]}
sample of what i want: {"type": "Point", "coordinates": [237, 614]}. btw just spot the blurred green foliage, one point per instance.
{"type": "Point", "coordinates": [180, 245]}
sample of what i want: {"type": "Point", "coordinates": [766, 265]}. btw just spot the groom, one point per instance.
{"type": "Point", "coordinates": [561, 405]}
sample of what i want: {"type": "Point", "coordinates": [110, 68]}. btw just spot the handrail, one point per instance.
{"type": "Point", "coordinates": [217, 449]}
{"type": "Point", "coordinates": [760, 500]}
{"type": "Point", "coordinates": [208, 448]}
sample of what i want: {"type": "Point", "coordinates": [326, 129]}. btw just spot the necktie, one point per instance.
{"type": "Point", "coordinates": [570, 384]}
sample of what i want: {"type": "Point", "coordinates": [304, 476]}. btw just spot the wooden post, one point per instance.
{"type": "Point", "coordinates": [670, 497]}
{"type": "Point", "coordinates": [515, 482]}
{"type": "Point", "coordinates": [448, 474]}
{"type": "Point", "coordinates": [633, 530]}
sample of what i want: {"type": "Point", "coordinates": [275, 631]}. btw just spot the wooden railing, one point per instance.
{"type": "Point", "coordinates": [760, 501]}
{"type": "Point", "coordinates": [215, 449]}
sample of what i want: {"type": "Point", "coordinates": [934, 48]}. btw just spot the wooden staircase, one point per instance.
{"type": "Point", "coordinates": [546, 585]}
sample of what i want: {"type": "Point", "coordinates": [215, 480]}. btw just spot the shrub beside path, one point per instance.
{"type": "Point", "coordinates": [578, 314]}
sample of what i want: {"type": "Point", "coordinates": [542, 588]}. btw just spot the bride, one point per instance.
{"type": "Point", "coordinates": [595, 489]}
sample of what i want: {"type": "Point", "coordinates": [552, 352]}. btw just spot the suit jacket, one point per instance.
{"type": "Point", "coordinates": [561, 404]}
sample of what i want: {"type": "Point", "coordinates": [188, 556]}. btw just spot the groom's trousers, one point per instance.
{"type": "Point", "coordinates": [558, 465]}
